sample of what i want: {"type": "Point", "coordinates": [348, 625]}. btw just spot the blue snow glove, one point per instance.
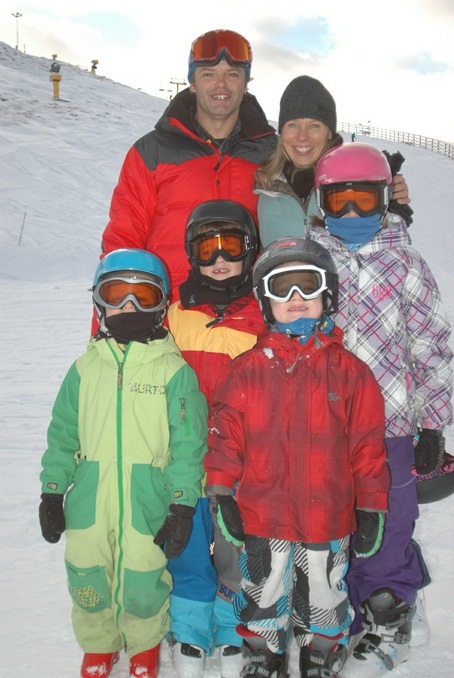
{"type": "Point", "coordinates": [175, 531]}
{"type": "Point", "coordinates": [369, 532]}
{"type": "Point", "coordinates": [429, 451]}
{"type": "Point", "coordinates": [51, 517]}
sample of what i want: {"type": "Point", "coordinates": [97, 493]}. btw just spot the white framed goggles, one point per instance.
{"type": "Point", "coordinates": [308, 280]}
{"type": "Point", "coordinates": [146, 294]}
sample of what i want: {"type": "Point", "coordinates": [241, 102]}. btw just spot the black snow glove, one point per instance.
{"type": "Point", "coordinates": [175, 531]}
{"type": "Point", "coordinates": [396, 161]}
{"type": "Point", "coordinates": [429, 451]}
{"type": "Point", "coordinates": [228, 518]}
{"type": "Point", "coordinates": [51, 517]}
{"type": "Point", "coordinates": [225, 512]}
{"type": "Point", "coordinates": [369, 533]}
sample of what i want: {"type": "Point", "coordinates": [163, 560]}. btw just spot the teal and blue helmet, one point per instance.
{"type": "Point", "coordinates": [131, 275]}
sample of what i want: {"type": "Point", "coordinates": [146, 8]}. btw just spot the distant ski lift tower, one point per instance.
{"type": "Point", "coordinates": [176, 82]}
{"type": "Point", "coordinates": [17, 16]}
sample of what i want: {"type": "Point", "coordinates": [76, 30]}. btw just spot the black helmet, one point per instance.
{"type": "Point", "coordinates": [294, 249]}
{"type": "Point", "coordinates": [223, 213]}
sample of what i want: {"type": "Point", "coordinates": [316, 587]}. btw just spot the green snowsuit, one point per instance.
{"type": "Point", "coordinates": [127, 437]}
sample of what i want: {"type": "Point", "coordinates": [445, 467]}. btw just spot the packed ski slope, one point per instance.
{"type": "Point", "coordinates": [58, 165]}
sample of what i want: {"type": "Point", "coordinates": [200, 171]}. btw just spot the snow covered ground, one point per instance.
{"type": "Point", "coordinates": [59, 163]}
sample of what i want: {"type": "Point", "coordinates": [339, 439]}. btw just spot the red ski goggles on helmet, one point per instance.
{"type": "Point", "coordinates": [232, 244]}
{"type": "Point", "coordinates": [115, 292]}
{"type": "Point", "coordinates": [308, 280]}
{"type": "Point", "coordinates": [364, 198]}
{"type": "Point", "coordinates": [209, 48]}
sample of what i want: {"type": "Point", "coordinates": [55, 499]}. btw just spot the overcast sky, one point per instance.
{"type": "Point", "coordinates": [390, 62]}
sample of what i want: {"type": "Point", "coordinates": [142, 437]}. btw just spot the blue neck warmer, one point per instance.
{"type": "Point", "coordinates": [304, 327]}
{"type": "Point", "coordinates": [354, 231]}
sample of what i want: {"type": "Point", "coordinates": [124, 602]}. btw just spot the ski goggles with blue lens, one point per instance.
{"type": "Point", "coordinates": [211, 47]}
{"type": "Point", "coordinates": [145, 294]}
{"type": "Point", "coordinates": [306, 279]}
{"type": "Point", "coordinates": [232, 245]}
{"type": "Point", "coordinates": [364, 198]}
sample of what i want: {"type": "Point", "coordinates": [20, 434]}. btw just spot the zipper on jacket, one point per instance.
{"type": "Point", "coordinates": [218, 164]}
{"type": "Point", "coordinates": [218, 319]}
{"type": "Point", "coordinates": [182, 411]}
{"type": "Point", "coordinates": [120, 377]}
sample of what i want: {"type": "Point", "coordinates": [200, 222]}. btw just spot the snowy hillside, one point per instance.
{"type": "Point", "coordinates": [59, 164]}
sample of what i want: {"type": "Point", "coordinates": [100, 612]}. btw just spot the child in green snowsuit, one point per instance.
{"type": "Point", "coordinates": [125, 448]}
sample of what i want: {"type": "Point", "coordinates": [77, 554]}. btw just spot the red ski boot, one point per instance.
{"type": "Point", "coordinates": [145, 664]}
{"type": "Point", "coordinates": [96, 665]}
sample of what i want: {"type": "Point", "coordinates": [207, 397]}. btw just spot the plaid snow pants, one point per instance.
{"type": "Point", "coordinates": [291, 585]}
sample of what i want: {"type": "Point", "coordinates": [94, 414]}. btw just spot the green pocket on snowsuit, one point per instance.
{"type": "Point", "coordinates": [144, 592]}
{"type": "Point", "coordinates": [149, 498]}
{"type": "Point", "coordinates": [80, 502]}
{"type": "Point", "coordinates": [88, 587]}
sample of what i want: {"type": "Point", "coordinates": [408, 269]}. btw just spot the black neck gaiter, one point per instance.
{"type": "Point", "coordinates": [126, 327]}
{"type": "Point", "coordinates": [201, 289]}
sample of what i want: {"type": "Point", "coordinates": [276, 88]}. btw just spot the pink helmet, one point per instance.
{"type": "Point", "coordinates": [352, 162]}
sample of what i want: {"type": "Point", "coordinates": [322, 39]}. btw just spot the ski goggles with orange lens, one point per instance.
{"type": "Point", "coordinates": [232, 245]}
{"type": "Point", "coordinates": [208, 47]}
{"type": "Point", "coordinates": [308, 280]}
{"type": "Point", "coordinates": [115, 292]}
{"type": "Point", "coordinates": [364, 198]}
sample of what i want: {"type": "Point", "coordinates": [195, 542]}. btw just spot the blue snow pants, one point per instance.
{"type": "Point", "coordinates": [201, 610]}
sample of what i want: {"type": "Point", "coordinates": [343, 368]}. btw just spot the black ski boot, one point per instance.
{"type": "Point", "coordinates": [386, 642]}
{"type": "Point", "coordinates": [263, 663]}
{"type": "Point", "coordinates": [323, 658]}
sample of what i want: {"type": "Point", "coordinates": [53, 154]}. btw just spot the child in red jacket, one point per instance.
{"type": "Point", "coordinates": [296, 434]}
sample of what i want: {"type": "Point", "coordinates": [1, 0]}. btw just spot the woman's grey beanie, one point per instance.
{"type": "Point", "coordinates": [306, 97]}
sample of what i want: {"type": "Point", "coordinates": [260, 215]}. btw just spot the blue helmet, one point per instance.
{"type": "Point", "coordinates": [136, 263]}
{"type": "Point", "coordinates": [134, 260]}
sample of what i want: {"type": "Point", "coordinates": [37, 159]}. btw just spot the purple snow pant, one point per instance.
{"type": "Point", "coordinates": [396, 564]}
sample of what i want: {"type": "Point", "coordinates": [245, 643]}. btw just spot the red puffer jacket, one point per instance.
{"type": "Point", "coordinates": [302, 430]}
{"type": "Point", "coordinates": [171, 170]}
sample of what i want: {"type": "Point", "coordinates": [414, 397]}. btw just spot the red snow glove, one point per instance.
{"type": "Point", "coordinates": [51, 517]}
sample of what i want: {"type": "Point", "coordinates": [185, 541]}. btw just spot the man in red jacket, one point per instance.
{"type": "Point", "coordinates": [206, 146]}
